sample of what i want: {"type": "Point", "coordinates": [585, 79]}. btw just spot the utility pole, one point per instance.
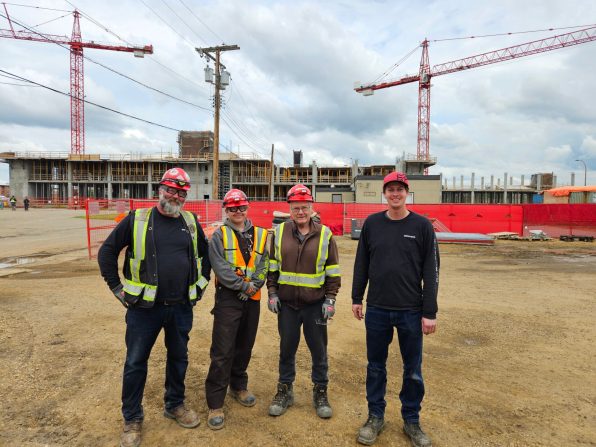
{"type": "Point", "coordinates": [271, 168]}
{"type": "Point", "coordinates": [218, 87]}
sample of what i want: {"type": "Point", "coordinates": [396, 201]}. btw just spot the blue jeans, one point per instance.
{"type": "Point", "coordinates": [379, 334]}
{"type": "Point", "coordinates": [143, 325]}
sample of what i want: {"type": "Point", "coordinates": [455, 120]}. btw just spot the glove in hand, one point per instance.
{"type": "Point", "coordinates": [243, 296]}
{"type": "Point", "coordinates": [273, 303]}
{"type": "Point", "coordinates": [328, 308]}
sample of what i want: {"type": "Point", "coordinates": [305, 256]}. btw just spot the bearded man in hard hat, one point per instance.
{"type": "Point", "coordinates": [303, 282]}
{"type": "Point", "coordinates": [166, 270]}
{"type": "Point", "coordinates": [239, 257]}
{"type": "Point", "coordinates": [398, 258]}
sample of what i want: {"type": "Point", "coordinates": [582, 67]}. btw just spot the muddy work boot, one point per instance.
{"type": "Point", "coordinates": [216, 419]}
{"type": "Point", "coordinates": [131, 434]}
{"type": "Point", "coordinates": [244, 397]}
{"type": "Point", "coordinates": [282, 400]}
{"type": "Point", "coordinates": [416, 435]}
{"type": "Point", "coordinates": [185, 417]}
{"type": "Point", "coordinates": [372, 428]}
{"type": "Point", "coordinates": [321, 402]}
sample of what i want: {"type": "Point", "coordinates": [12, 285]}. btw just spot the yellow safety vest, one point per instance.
{"type": "Point", "coordinates": [312, 280]}
{"type": "Point", "coordinates": [233, 255]}
{"type": "Point", "coordinates": [135, 285]}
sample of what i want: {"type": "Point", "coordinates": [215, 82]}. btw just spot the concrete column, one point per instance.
{"type": "Point", "coordinates": [472, 188]}
{"type": "Point", "coordinates": [454, 182]}
{"type": "Point", "coordinates": [69, 179]}
{"type": "Point", "coordinates": [538, 182]}
{"type": "Point", "coordinates": [505, 188]}
{"type": "Point", "coordinates": [511, 181]}
{"type": "Point", "coordinates": [573, 179]}
{"type": "Point", "coordinates": [482, 183]}
{"type": "Point", "coordinates": [461, 181]}
{"type": "Point", "coordinates": [315, 173]}
{"type": "Point", "coordinates": [149, 175]}
{"type": "Point", "coordinates": [554, 181]}
{"type": "Point", "coordinates": [110, 191]}
{"type": "Point", "coordinates": [522, 180]}
{"type": "Point", "coordinates": [492, 182]}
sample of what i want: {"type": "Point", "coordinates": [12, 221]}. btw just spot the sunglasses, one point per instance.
{"type": "Point", "coordinates": [174, 191]}
{"type": "Point", "coordinates": [234, 209]}
{"type": "Point", "coordinates": [177, 182]}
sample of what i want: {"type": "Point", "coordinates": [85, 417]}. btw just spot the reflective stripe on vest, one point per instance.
{"type": "Point", "coordinates": [312, 280]}
{"type": "Point", "coordinates": [233, 255]}
{"type": "Point", "coordinates": [135, 286]}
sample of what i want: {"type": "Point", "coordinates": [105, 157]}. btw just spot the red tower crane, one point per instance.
{"type": "Point", "coordinates": [426, 73]}
{"type": "Point", "coordinates": [77, 87]}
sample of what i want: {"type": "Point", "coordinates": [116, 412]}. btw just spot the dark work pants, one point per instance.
{"type": "Point", "coordinates": [380, 324]}
{"type": "Point", "coordinates": [235, 326]}
{"type": "Point", "coordinates": [142, 328]}
{"type": "Point", "coordinates": [288, 324]}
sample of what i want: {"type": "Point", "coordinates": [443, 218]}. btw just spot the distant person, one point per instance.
{"type": "Point", "coordinates": [239, 259]}
{"type": "Point", "coordinates": [13, 203]}
{"type": "Point", "coordinates": [26, 203]}
{"type": "Point", "coordinates": [303, 282]}
{"type": "Point", "coordinates": [166, 270]}
{"type": "Point", "coordinates": [398, 258]}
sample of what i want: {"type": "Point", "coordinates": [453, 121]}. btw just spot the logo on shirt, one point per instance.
{"type": "Point", "coordinates": [410, 236]}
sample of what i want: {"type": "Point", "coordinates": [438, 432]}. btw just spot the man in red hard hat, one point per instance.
{"type": "Point", "coordinates": [239, 258]}
{"type": "Point", "coordinates": [166, 270]}
{"type": "Point", "coordinates": [398, 258]}
{"type": "Point", "coordinates": [303, 282]}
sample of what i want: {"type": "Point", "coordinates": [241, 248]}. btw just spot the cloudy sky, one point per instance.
{"type": "Point", "coordinates": [293, 78]}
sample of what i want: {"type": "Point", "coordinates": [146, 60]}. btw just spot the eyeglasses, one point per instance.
{"type": "Point", "coordinates": [177, 182]}
{"type": "Point", "coordinates": [300, 209]}
{"type": "Point", "coordinates": [174, 191]}
{"type": "Point", "coordinates": [234, 209]}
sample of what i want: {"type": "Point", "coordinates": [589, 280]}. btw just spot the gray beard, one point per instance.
{"type": "Point", "coordinates": [169, 208]}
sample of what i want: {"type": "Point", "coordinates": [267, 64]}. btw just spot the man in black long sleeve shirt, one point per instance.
{"type": "Point", "coordinates": [398, 257]}
{"type": "Point", "coordinates": [166, 270]}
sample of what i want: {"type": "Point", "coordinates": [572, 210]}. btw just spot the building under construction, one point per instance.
{"type": "Point", "coordinates": [54, 176]}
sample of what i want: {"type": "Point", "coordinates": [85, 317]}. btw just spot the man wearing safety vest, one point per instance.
{"type": "Point", "coordinates": [303, 281]}
{"type": "Point", "coordinates": [238, 254]}
{"type": "Point", "coordinates": [166, 270]}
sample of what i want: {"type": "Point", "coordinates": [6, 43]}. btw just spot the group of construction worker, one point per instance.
{"type": "Point", "coordinates": [167, 267]}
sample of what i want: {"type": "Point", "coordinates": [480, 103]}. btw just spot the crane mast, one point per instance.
{"type": "Point", "coordinates": [426, 73]}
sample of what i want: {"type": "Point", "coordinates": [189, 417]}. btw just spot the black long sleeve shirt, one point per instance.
{"type": "Point", "coordinates": [399, 259]}
{"type": "Point", "coordinates": [173, 246]}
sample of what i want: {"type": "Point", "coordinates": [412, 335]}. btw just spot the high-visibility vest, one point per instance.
{"type": "Point", "coordinates": [140, 281]}
{"type": "Point", "coordinates": [312, 280]}
{"type": "Point", "coordinates": [233, 254]}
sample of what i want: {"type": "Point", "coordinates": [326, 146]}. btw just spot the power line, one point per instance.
{"type": "Point", "coordinates": [182, 20]}
{"type": "Point", "coordinates": [200, 21]}
{"type": "Point", "coordinates": [89, 102]}
{"type": "Point", "coordinates": [166, 23]}
{"type": "Point", "coordinates": [37, 7]}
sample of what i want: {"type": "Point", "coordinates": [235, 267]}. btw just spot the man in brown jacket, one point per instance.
{"type": "Point", "coordinates": [303, 281]}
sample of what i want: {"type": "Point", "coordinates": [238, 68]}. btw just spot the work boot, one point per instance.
{"type": "Point", "coordinates": [417, 436]}
{"type": "Point", "coordinates": [185, 417]}
{"type": "Point", "coordinates": [216, 419]}
{"type": "Point", "coordinates": [131, 434]}
{"type": "Point", "coordinates": [372, 428]}
{"type": "Point", "coordinates": [320, 401]}
{"type": "Point", "coordinates": [282, 400]}
{"type": "Point", "coordinates": [244, 397]}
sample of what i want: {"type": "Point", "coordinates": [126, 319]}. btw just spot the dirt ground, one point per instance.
{"type": "Point", "coordinates": [512, 363]}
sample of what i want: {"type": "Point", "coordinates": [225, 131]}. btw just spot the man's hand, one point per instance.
{"type": "Point", "coordinates": [251, 289]}
{"type": "Point", "coordinates": [118, 292]}
{"type": "Point", "coordinates": [429, 326]}
{"type": "Point", "coordinates": [357, 311]}
{"type": "Point", "coordinates": [328, 308]}
{"type": "Point", "coordinates": [273, 303]}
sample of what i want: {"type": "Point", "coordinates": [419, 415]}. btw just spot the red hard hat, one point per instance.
{"type": "Point", "coordinates": [299, 193]}
{"type": "Point", "coordinates": [234, 197]}
{"type": "Point", "coordinates": [176, 178]}
{"type": "Point", "coordinates": [396, 177]}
